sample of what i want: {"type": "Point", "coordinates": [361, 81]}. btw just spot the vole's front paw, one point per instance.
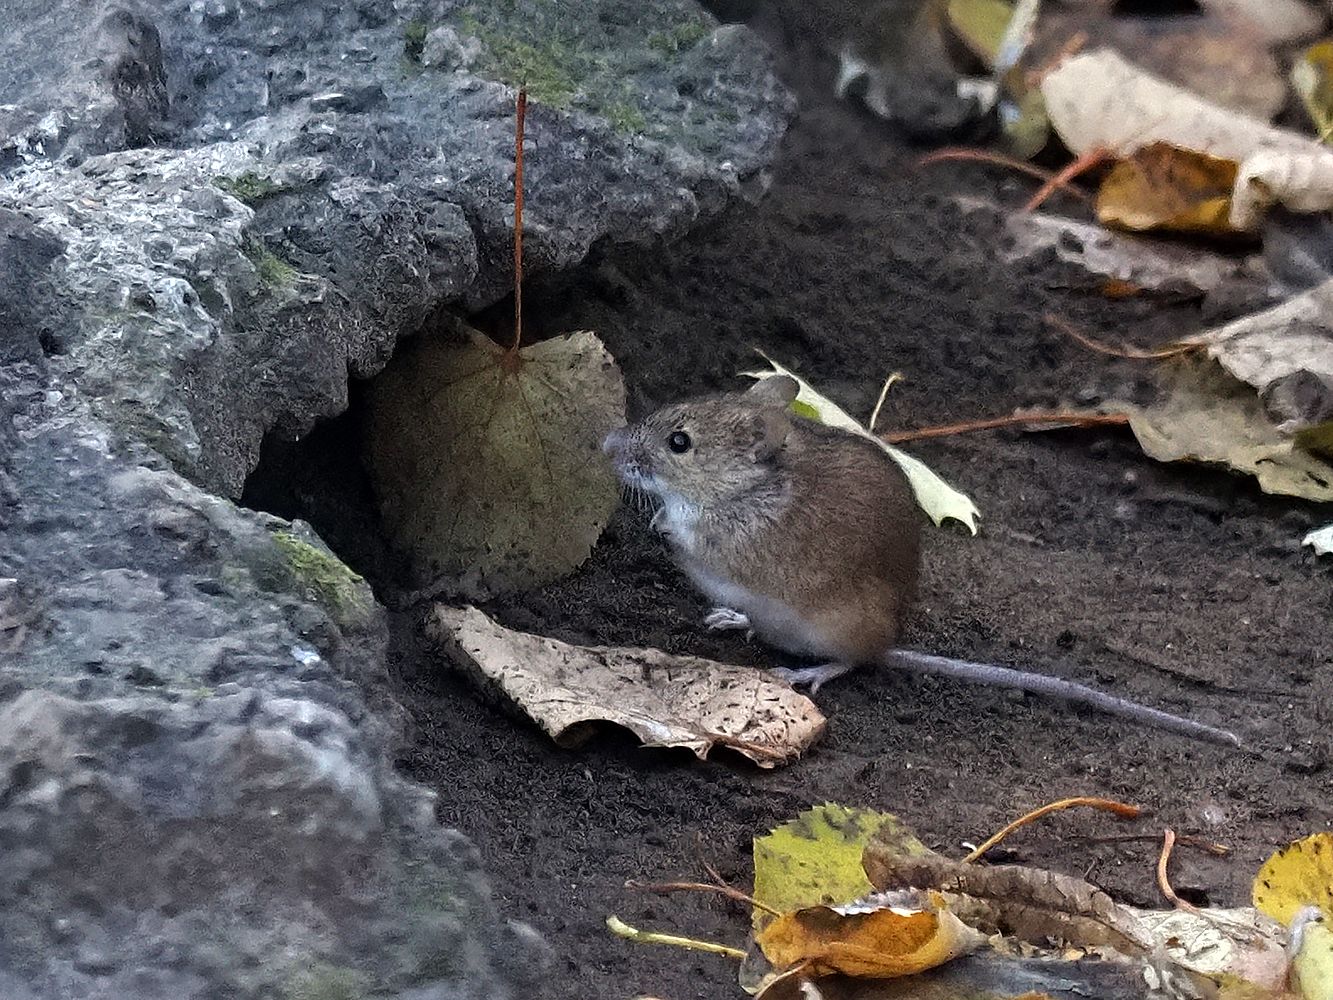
{"type": "Point", "coordinates": [728, 620]}
{"type": "Point", "coordinates": [812, 677]}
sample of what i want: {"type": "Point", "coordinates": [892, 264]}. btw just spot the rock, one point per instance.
{"type": "Point", "coordinates": [212, 215]}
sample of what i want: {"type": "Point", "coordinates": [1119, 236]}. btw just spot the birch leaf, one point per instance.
{"type": "Point", "coordinates": [488, 465]}
{"type": "Point", "coordinates": [936, 497]}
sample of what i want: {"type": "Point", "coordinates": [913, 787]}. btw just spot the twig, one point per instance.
{"type": "Point", "coordinates": [1068, 417]}
{"type": "Point", "coordinates": [1133, 353]}
{"type": "Point", "coordinates": [619, 928]}
{"type": "Point", "coordinates": [721, 889]}
{"type": "Point", "coordinates": [999, 160]}
{"type": "Point", "coordinates": [1090, 159]}
{"type": "Point", "coordinates": [1185, 840]}
{"type": "Point", "coordinates": [883, 395]}
{"type": "Point", "coordinates": [1072, 47]}
{"type": "Point", "coordinates": [1122, 809]}
{"type": "Point", "coordinates": [521, 115]}
{"type": "Point", "coordinates": [1163, 883]}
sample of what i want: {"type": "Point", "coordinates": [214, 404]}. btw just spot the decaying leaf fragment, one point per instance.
{"type": "Point", "coordinates": [1031, 904]}
{"type": "Point", "coordinates": [936, 497]}
{"type": "Point", "coordinates": [488, 464]}
{"type": "Point", "coordinates": [1165, 187]}
{"type": "Point", "coordinates": [665, 700]}
{"type": "Point", "coordinates": [1203, 414]}
{"type": "Point", "coordinates": [1286, 354]}
{"type": "Point", "coordinates": [1238, 943]}
{"type": "Point", "coordinates": [877, 938]}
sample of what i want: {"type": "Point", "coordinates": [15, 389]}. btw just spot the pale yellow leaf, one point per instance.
{"type": "Point", "coordinates": [936, 497]}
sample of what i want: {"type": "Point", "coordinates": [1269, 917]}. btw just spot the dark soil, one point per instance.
{"type": "Point", "coordinates": [1182, 588]}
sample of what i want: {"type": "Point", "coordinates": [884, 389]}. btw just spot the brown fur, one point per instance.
{"type": "Point", "coordinates": [805, 514]}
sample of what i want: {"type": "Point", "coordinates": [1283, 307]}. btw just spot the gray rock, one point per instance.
{"type": "Point", "coordinates": [213, 213]}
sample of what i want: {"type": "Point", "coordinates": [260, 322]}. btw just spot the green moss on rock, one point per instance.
{"type": "Point", "coordinates": [414, 39]}
{"type": "Point", "coordinates": [328, 982]}
{"type": "Point", "coordinates": [274, 272]}
{"type": "Point", "coordinates": [249, 187]}
{"type": "Point", "coordinates": [325, 578]}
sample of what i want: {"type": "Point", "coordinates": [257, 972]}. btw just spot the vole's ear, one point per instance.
{"type": "Point", "coordinates": [771, 428]}
{"type": "Point", "coordinates": [776, 390]}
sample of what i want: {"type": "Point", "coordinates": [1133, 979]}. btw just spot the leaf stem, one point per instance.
{"type": "Point", "coordinates": [1121, 809]}
{"type": "Point", "coordinates": [1072, 418]}
{"type": "Point", "coordinates": [518, 217]}
{"type": "Point", "coordinates": [619, 928]}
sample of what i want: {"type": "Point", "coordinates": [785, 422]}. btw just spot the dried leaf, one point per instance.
{"type": "Point", "coordinates": [1299, 875]}
{"type": "Point", "coordinates": [1240, 943]}
{"type": "Point", "coordinates": [1098, 100]}
{"type": "Point", "coordinates": [1219, 57]}
{"type": "Point", "coordinates": [1321, 540]}
{"type": "Point", "coordinates": [1285, 353]}
{"type": "Point", "coordinates": [1030, 904]}
{"type": "Point", "coordinates": [1165, 187]}
{"type": "Point", "coordinates": [936, 497]}
{"type": "Point", "coordinates": [816, 858]}
{"type": "Point", "coordinates": [1151, 265]}
{"type": "Point", "coordinates": [489, 468]}
{"type": "Point", "coordinates": [1312, 79]}
{"type": "Point", "coordinates": [665, 700]}
{"type": "Point", "coordinates": [1204, 415]}
{"type": "Point", "coordinates": [872, 939]}
{"type": "Point", "coordinates": [1278, 22]}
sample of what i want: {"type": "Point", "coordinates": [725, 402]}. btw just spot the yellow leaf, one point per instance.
{"type": "Point", "coordinates": [933, 495]}
{"type": "Point", "coordinates": [980, 25]}
{"type": "Point", "coordinates": [1312, 965]}
{"type": "Point", "coordinates": [1167, 187]}
{"type": "Point", "coordinates": [1312, 78]}
{"type": "Point", "coordinates": [1299, 875]}
{"type": "Point", "coordinates": [877, 943]}
{"type": "Point", "coordinates": [816, 858]}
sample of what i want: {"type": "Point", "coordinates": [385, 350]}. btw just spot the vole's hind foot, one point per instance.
{"type": "Point", "coordinates": [728, 620]}
{"type": "Point", "coordinates": [812, 677]}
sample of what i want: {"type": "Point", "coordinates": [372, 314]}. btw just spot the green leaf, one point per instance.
{"type": "Point", "coordinates": [815, 860]}
{"type": "Point", "coordinates": [936, 497]}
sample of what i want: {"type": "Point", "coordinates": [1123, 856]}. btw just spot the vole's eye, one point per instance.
{"type": "Point", "coordinates": [679, 442]}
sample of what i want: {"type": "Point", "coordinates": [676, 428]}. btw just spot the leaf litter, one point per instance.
{"type": "Point", "coordinates": [1034, 928]}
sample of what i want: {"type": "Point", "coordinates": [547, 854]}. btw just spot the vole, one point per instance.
{"type": "Point", "coordinates": [809, 537]}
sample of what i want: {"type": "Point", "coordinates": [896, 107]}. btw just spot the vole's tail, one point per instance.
{"type": "Point", "coordinates": [1056, 687]}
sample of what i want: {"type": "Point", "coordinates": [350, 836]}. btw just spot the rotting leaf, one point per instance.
{"type": "Point", "coordinates": [1165, 187]}
{"type": "Point", "coordinates": [1270, 348]}
{"type": "Point", "coordinates": [488, 462]}
{"type": "Point", "coordinates": [1240, 943]}
{"type": "Point", "coordinates": [876, 938]}
{"type": "Point", "coordinates": [665, 700]}
{"type": "Point", "coordinates": [1203, 414]}
{"type": "Point", "coordinates": [1030, 904]}
{"type": "Point", "coordinates": [1312, 79]}
{"type": "Point", "coordinates": [816, 857]}
{"type": "Point", "coordinates": [936, 497]}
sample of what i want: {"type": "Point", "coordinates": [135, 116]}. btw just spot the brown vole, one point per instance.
{"type": "Point", "coordinates": [807, 535]}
